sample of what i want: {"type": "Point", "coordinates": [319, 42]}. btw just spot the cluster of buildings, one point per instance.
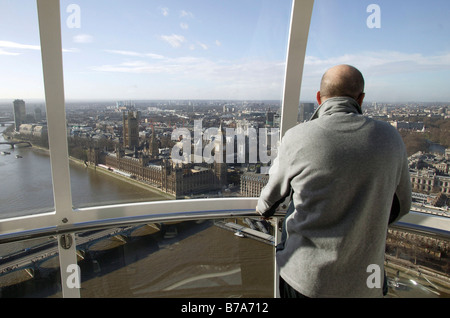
{"type": "Point", "coordinates": [143, 160]}
{"type": "Point", "coordinates": [407, 111]}
{"type": "Point", "coordinates": [30, 125]}
{"type": "Point", "coordinates": [430, 176]}
{"type": "Point", "coordinates": [142, 145]}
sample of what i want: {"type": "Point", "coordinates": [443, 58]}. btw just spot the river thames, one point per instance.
{"type": "Point", "coordinates": [26, 185]}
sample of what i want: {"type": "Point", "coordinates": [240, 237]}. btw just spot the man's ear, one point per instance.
{"type": "Point", "coordinates": [361, 99]}
{"type": "Point", "coordinates": [318, 98]}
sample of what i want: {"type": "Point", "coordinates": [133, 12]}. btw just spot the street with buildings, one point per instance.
{"type": "Point", "coordinates": [136, 139]}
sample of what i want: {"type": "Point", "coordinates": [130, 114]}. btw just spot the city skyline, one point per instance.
{"type": "Point", "coordinates": [231, 50]}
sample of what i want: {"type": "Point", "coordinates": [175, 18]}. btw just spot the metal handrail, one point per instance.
{"type": "Point", "coordinates": [189, 216]}
{"type": "Point", "coordinates": [125, 221]}
{"type": "Point", "coordinates": [62, 231]}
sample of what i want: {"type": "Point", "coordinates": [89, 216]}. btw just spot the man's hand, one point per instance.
{"type": "Point", "coordinates": [261, 214]}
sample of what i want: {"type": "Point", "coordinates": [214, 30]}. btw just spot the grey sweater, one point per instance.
{"type": "Point", "coordinates": [344, 170]}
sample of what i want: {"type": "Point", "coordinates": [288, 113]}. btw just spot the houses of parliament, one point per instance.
{"type": "Point", "coordinates": [141, 161]}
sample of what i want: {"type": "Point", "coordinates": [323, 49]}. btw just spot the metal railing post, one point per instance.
{"type": "Point", "coordinates": [51, 50]}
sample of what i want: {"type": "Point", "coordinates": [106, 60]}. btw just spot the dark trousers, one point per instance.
{"type": "Point", "coordinates": [286, 290]}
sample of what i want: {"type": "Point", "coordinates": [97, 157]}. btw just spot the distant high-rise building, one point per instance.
{"type": "Point", "coordinates": [252, 183]}
{"type": "Point", "coordinates": [269, 118]}
{"type": "Point", "coordinates": [38, 114]}
{"type": "Point", "coordinates": [220, 166]}
{"type": "Point", "coordinates": [306, 111]}
{"type": "Point", "coordinates": [19, 113]}
{"type": "Point", "coordinates": [130, 129]}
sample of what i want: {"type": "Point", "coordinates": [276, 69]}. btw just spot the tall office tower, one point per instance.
{"type": "Point", "coordinates": [269, 118]}
{"type": "Point", "coordinates": [306, 111]}
{"type": "Point", "coordinates": [220, 165]}
{"type": "Point", "coordinates": [153, 150]}
{"type": "Point", "coordinates": [130, 129]}
{"type": "Point", "coordinates": [19, 113]}
{"type": "Point", "coordinates": [37, 114]}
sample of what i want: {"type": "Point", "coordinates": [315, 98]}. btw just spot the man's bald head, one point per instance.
{"type": "Point", "coordinates": [342, 80]}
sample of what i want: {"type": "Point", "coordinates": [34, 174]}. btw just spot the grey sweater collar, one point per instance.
{"type": "Point", "coordinates": [336, 105]}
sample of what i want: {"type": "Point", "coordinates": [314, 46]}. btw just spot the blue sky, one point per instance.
{"type": "Point", "coordinates": [227, 49]}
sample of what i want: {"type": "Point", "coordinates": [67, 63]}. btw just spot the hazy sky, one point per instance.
{"type": "Point", "coordinates": [227, 49]}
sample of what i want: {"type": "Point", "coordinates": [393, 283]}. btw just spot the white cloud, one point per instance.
{"type": "Point", "coordinates": [202, 68]}
{"type": "Point", "coordinates": [72, 50]}
{"type": "Point", "coordinates": [127, 53]}
{"type": "Point", "coordinates": [154, 56]}
{"type": "Point", "coordinates": [135, 54]}
{"type": "Point", "coordinates": [3, 52]}
{"type": "Point", "coordinates": [174, 39]}
{"type": "Point", "coordinates": [187, 14]}
{"type": "Point", "coordinates": [83, 38]}
{"type": "Point", "coordinates": [184, 26]}
{"type": "Point", "coordinates": [15, 45]}
{"type": "Point", "coordinates": [194, 77]}
{"type": "Point", "coordinates": [387, 73]}
{"type": "Point", "coordinates": [380, 63]}
{"type": "Point", "coordinates": [202, 45]}
{"type": "Point", "coordinates": [164, 11]}
{"type": "Point", "coordinates": [10, 48]}
{"type": "Point", "coordinates": [135, 67]}
{"type": "Point", "coordinates": [218, 43]}
{"type": "Point", "coordinates": [19, 46]}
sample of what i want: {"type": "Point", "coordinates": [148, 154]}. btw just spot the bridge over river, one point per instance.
{"type": "Point", "coordinates": [14, 143]}
{"type": "Point", "coordinates": [31, 258]}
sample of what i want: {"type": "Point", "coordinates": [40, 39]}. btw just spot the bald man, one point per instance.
{"type": "Point", "coordinates": [348, 178]}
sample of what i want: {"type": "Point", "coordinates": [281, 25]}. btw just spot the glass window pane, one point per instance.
{"type": "Point", "coordinates": [30, 269]}
{"type": "Point", "coordinates": [26, 185]}
{"type": "Point", "coordinates": [402, 51]}
{"type": "Point", "coordinates": [185, 259]}
{"type": "Point", "coordinates": [417, 264]}
{"type": "Point", "coordinates": [139, 75]}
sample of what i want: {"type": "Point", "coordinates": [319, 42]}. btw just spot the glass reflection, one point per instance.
{"type": "Point", "coordinates": [26, 185]}
{"type": "Point", "coordinates": [30, 269]}
{"type": "Point", "coordinates": [402, 51]}
{"type": "Point", "coordinates": [417, 264]}
{"type": "Point", "coordinates": [140, 75]}
{"type": "Point", "coordinates": [187, 259]}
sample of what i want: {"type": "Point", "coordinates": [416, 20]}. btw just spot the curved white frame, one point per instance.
{"type": "Point", "coordinates": [64, 214]}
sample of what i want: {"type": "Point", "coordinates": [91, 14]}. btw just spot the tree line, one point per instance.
{"type": "Point", "coordinates": [437, 130]}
